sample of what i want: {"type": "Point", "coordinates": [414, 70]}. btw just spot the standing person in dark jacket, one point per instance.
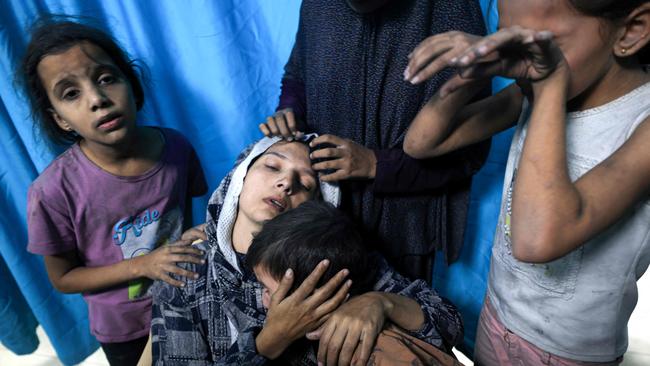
{"type": "Point", "coordinates": [344, 80]}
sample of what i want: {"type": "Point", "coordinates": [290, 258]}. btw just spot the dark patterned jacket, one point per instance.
{"type": "Point", "coordinates": [214, 320]}
{"type": "Point", "coordinates": [345, 77]}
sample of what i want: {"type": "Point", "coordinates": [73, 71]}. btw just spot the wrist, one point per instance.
{"type": "Point", "coordinates": [385, 301]}
{"type": "Point", "coordinates": [558, 79]}
{"type": "Point", "coordinates": [269, 344]}
{"type": "Point", "coordinates": [134, 267]}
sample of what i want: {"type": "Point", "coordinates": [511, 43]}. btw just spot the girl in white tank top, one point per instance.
{"type": "Point", "coordinates": [573, 232]}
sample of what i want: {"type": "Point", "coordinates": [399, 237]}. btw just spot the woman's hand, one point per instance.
{"type": "Point", "coordinates": [345, 159]}
{"type": "Point", "coordinates": [160, 263]}
{"type": "Point", "coordinates": [290, 318]}
{"type": "Point", "coordinates": [282, 123]}
{"type": "Point", "coordinates": [349, 334]}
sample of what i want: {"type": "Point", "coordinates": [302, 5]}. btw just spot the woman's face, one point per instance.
{"type": "Point", "coordinates": [280, 179]}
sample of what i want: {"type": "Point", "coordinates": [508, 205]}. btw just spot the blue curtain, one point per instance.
{"type": "Point", "coordinates": [465, 281]}
{"type": "Point", "coordinates": [215, 68]}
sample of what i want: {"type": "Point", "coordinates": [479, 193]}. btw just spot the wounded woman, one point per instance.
{"type": "Point", "coordinates": [218, 318]}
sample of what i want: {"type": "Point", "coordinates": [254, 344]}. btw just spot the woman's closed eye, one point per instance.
{"type": "Point", "coordinates": [271, 167]}
{"type": "Point", "coordinates": [307, 185]}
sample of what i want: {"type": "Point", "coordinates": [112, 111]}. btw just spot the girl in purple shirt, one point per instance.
{"type": "Point", "coordinates": [101, 212]}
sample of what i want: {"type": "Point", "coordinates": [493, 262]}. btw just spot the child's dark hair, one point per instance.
{"type": "Point", "coordinates": [54, 35]}
{"type": "Point", "coordinates": [301, 238]}
{"type": "Point", "coordinates": [612, 10]}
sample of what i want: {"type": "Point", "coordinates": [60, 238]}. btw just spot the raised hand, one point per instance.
{"type": "Point", "coordinates": [515, 52]}
{"type": "Point", "coordinates": [435, 53]}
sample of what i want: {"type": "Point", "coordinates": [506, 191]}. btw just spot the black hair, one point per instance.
{"type": "Point", "coordinates": [301, 238]}
{"type": "Point", "coordinates": [56, 34]}
{"type": "Point", "coordinates": [613, 11]}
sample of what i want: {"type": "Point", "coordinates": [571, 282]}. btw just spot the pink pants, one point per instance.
{"type": "Point", "coordinates": [496, 345]}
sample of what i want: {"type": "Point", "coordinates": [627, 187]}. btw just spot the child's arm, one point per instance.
{"type": "Point", "coordinates": [446, 123]}
{"type": "Point", "coordinates": [68, 275]}
{"type": "Point", "coordinates": [552, 215]}
{"type": "Point", "coordinates": [352, 329]}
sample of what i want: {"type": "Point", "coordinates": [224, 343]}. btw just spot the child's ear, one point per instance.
{"type": "Point", "coordinates": [59, 121]}
{"type": "Point", "coordinates": [635, 32]}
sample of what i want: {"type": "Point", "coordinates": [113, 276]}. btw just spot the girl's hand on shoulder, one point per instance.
{"type": "Point", "coordinates": [161, 263]}
{"type": "Point", "coordinates": [349, 334]}
{"type": "Point", "coordinates": [435, 53]}
{"type": "Point", "coordinates": [195, 233]}
{"type": "Point", "coordinates": [282, 123]}
{"type": "Point", "coordinates": [291, 317]}
{"type": "Point", "coordinates": [515, 52]}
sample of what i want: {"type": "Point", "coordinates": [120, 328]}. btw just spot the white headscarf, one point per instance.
{"type": "Point", "coordinates": [223, 204]}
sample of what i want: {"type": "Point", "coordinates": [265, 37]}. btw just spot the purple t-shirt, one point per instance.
{"type": "Point", "coordinates": [76, 206]}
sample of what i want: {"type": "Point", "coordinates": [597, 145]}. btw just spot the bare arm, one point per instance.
{"type": "Point", "coordinates": [552, 215]}
{"type": "Point", "coordinates": [401, 310]}
{"type": "Point", "coordinates": [68, 274]}
{"type": "Point", "coordinates": [443, 125]}
{"type": "Point", "coordinates": [447, 123]}
{"type": "Point", "coordinates": [352, 329]}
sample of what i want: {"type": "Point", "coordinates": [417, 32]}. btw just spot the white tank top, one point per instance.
{"type": "Point", "coordinates": [577, 306]}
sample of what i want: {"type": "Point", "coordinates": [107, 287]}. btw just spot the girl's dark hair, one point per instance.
{"type": "Point", "coordinates": [301, 238]}
{"type": "Point", "coordinates": [612, 10]}
{"type": "Point", "coordinates": [53, 35]}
